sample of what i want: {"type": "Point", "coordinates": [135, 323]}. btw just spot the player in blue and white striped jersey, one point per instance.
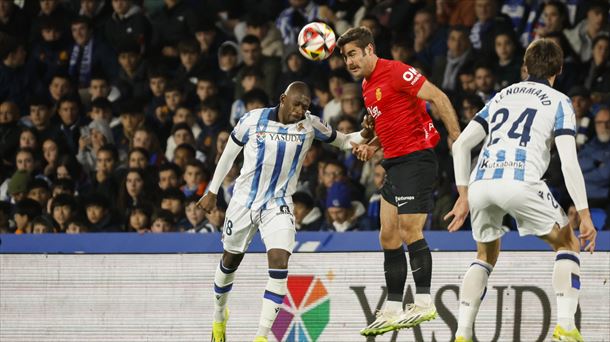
{"type": "Point", "coordinates": [275, 142]}
{"type": "Point", "coordinates": [518, 126]}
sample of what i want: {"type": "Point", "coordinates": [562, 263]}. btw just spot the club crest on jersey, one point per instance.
{"type": "Point", "coordinates": [378, 94]}
{"type": "Point", "coordinates": [300, 126]}
{"type": "Point", "coordinates": [260, 136]}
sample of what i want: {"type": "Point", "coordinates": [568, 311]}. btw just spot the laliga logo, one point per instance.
{"type": "Point", "coordinates": [306, 310]}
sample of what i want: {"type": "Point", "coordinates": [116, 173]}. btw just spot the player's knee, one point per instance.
{"type": "Point", "coordinates": [231, 261]}
{"type": "Point", "coordinates": [390, 239]}
{"type": "Point", "coordinates": [278, 259]}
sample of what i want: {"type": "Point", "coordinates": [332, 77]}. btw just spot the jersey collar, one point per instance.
{"type": "Point", "coordinates": [273, 115]}
{"type": "Point", "coordinates": [538, 80]}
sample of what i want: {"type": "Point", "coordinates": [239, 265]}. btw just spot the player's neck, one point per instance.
{"type": "Point", "coordinates": [374, 60]}
{"type": "Point", "coordinates": [551, 80]}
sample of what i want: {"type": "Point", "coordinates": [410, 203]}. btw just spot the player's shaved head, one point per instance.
{"type": "Point", "coordinates": [298, 88]}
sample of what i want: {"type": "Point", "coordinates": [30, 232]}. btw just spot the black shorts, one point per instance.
{"type": "Point", "coordinates": [409, 181]}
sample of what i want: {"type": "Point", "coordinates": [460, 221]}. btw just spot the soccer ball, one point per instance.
{"type": "Point", "coordinates": [316, 41]}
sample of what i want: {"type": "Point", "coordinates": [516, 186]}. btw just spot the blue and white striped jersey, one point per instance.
{"type": "Point", "coordinates": [273, 156]}
{"type": "Point", "coordinates": [521, 121]}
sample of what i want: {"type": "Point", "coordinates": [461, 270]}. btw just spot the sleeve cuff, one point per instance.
{"type": "Point", "coordinates": [565, 131]}
{"type": "Point", "coordinates": [236, 140]}
{"type": "Point", "coordinates": [483, 123]}
{"type": "Point", "coordinates": [332, 137]}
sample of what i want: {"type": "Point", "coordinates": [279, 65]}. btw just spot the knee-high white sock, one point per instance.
{"type": "Point", "coordinates": [472, 292]}
{"type": "Point", "coordinates": [275, 291]}
{"type": "Point", "coordinates": [566, 283]}
{"type": "Point", "coordinates": [223, 282]}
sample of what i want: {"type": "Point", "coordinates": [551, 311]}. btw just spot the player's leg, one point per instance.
{"type": "Point", "coordinates": [420, 258]}
{"type": "Point", "coordinates": [237, 235]}
{"type": "Point", "coordinates": [395, 270]}
{"type": "Point", "coordinates": [278, 233]}
{"type": "Point", "coordinates": [486, 219]}
{"type": "Point", "coordinates": [566, 281]}
{"type": "Point", "coordinates": [474, 287]}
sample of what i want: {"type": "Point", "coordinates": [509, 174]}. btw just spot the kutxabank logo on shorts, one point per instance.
{"type": "Point", "coordinates": [305, 312]}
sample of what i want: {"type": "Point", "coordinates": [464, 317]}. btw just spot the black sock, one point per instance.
{"type": "Point", "coordinates": [421, 265]}
{"type": "Point", "coordinates": [395, 267]}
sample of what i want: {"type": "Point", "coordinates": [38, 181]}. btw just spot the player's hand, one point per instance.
{"type": "Point", "coordinates": [207, 202]}
{"type": "Point", "coordinates": [368, 122]}
{"type": "Point", "coordinates": [587, 233]}
{"type": "Point", "coordinates": [363, 152]}
{"type": "Point", "coordinates": [459, 213]}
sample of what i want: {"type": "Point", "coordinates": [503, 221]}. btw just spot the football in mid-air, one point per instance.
{"type": "Point", "coordinates": [316, 41]}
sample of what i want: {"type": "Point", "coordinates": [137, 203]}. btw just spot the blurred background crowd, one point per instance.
{"type": "Point", "coordinates": [114, 113]}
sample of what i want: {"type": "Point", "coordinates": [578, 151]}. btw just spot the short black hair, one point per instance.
{"type": "Point", "coordinates": [110, 148]}
{"type": "Point", "coordinates": [256, 94]}
{"type": "Point", "coordinates": [63, 200]}
{"type": "Point", "coordinates": [38, 183]}
{"type": "Point", "coordinates": [169, 166]}
{"type": "Point", "coordinates": [28, 207]}
{"type": "Point", "coordinates": [361, 36]}
{"type": "Point", "coordinates": [251, 39]}
{"type": "Point", "coordinates": [303, 198]}
{"type": "Point", "coordinates": [173, 193]}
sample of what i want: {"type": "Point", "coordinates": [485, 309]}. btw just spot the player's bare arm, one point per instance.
{"type": "Point", "coordinates": [429, 92]}
{"type": "Point", "coordinates": [471, 137]}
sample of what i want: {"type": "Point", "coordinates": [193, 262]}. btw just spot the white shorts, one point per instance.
{"type": "Point", "coordinates": [275, 224]}
{"type": "Point", "coordinates": [531, 204]}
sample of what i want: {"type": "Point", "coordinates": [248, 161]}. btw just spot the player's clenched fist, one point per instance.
{"type": "Point", "coordinates": [207, 202]}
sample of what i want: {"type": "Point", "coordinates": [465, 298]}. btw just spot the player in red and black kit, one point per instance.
{"type": "Point", "coordinates": [395, 96]}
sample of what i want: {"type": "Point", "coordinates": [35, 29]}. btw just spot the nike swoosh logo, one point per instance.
{"type": "Point", "coordinates": [401, 204]}
{"type": "Point", "coordinates": [416, 270]}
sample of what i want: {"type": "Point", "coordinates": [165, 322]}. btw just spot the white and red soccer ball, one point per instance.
{"type": "Point", "coordinates": [316, 41]}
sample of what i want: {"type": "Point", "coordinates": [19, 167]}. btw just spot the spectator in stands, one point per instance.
{"type": "Point", "coordinates": [294, 67]}
{"type": "Point", "coordinates": [196, 217]}
{"type": "Point", "coordinates": [216, 217]}
{"type": "Point", "coordinates": [270, 67]}
{"type": "Point", "coordinates": [127, 25]}
{"type": "Point", "coordinates": [381, 37]}
{"type": "Point", "coordinates": [131, 79]}
{"type": "Point", "coordinates": [162, 222]}
{"type": "Point", "coordinates": [455, 12]}
{"type": "Point", "coordinates": [554, 19]}
{"type": "Point", "coordinates": [210, 39]}
{"type": "Point", "coordinates": [138, 218]}
{"type": "Point", "coordinates": [99, 87]}
{"type": "Point", "coordinates": [59, 87]}
{"type": "Point", "coordinates": [374, 206]}
{"type": "Point", "coordinates": [336, 80]}
{"type": "Point", "coordinates": [71, 120]}
{"type": "Point", "coordinates": [459, 54]}
{"type": "Point", "coordinates": [270, 37]}
{"type": "Point", "coordinates": [191, 63]}
{"type": "Point", "coordinates": [173, 200]}
{"type": "Point", "coordinates": [13, 21]}
{"type": "Point", "coordinates": [344, 214]}
{"type": "Point", "coordinates": [572, 72]}
{"type": "Point", "coordinates": [52, 150]}
{"type": "Point", "coordinates": [430, 39]}
{"type": "Point", "coordinates": [50, 54]}
{"type": "Point", "coordinates": [14, 80]}
{"type": "Point", "coordinates": [171, 23]}
{"type": "Point", "coordinates": [88, 53]}
{"type": "Point", "coordinates": [40, 118]}
{"type": "Point", "coordinates": [352, 104]}
{"type": "Point", "coordinates": [96, 135]}
{"type": "Point", "coordinates": [17, 186]}
{"type": "Point", "coordinates": [489, 23]}
{"type": "Point", "coordinates": [402, 50]}
{"type": "Point", "coordinates": [43, 225]}
{"type": "Point", "coordinates": [195, 179]}
{"type": "Point", "coordinates": [9, 132]}
{"type": "Point", "coordinates": [508, 64]}
{"type": "Point", "coordinates": [253, 79]}
{"type": "Point", "coordinates": [76, 226]}
{"type": "Point", "coordinates": [63, 208]}
{"type": "Point", "coordinates": [169, 175]}
{"type": "Point", "coordinates": [594, 159]}
{"type": "Point", "coordinates": [134, 190]}
{"type": "Point", "coordinates": [581, 101]}
{"type": "Point", "coordinates": [24, 162]}
{"type": "Point", "coordinates": [597, 70]}
{"type": "Point", "coordinates": [131, 115]}
{"type": "Point", "coordinates": [229, 63]}
{"type": "Point", "coordinates": [103, 179]}
{"type": "Point", "coordinates": [582, 35]}
{"type": "Point", "coordinates": [24, 213]}
{"type": "Point", "coordinates": [39, 191]}
{"type": "Point", "coordinates": [99, 214]}
{"type": "Point", "coordinates": [484, 80]}
{"type": "Point", "coordinates": [307, 216]}
{"type": "Point", "coordinates": [54, 10]}
{"type": "Point", "coordinates": [292, 19]}
{"type": "Point", "coordinates": [98, 13]}
{"type": "Point", "coordinates": [157, 81]}
{"type": "Point", "coordinates": [334, 171]}
{"type": "Point", "coordinates": [138, 159]}
{"type": "Point", "coordinates": [184, 154]}
{"type": "Point", "coordinates": [28, 139]}
{"type": "Point", "coordinates": [209, 115]}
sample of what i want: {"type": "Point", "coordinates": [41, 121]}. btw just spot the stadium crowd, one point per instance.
{"type": "Point", "coordinates": [114, 113]}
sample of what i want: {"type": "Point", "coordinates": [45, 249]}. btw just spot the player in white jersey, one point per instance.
{"type": "Point", "coordinates": [518, 126]}
{"type": "Point", "coordinates": [275, 142]}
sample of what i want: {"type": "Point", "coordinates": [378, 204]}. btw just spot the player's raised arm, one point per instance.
{"type": "Point", "coordinates": [429, 92]}
{"type": "Point", "coordinates": [207, 202]}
